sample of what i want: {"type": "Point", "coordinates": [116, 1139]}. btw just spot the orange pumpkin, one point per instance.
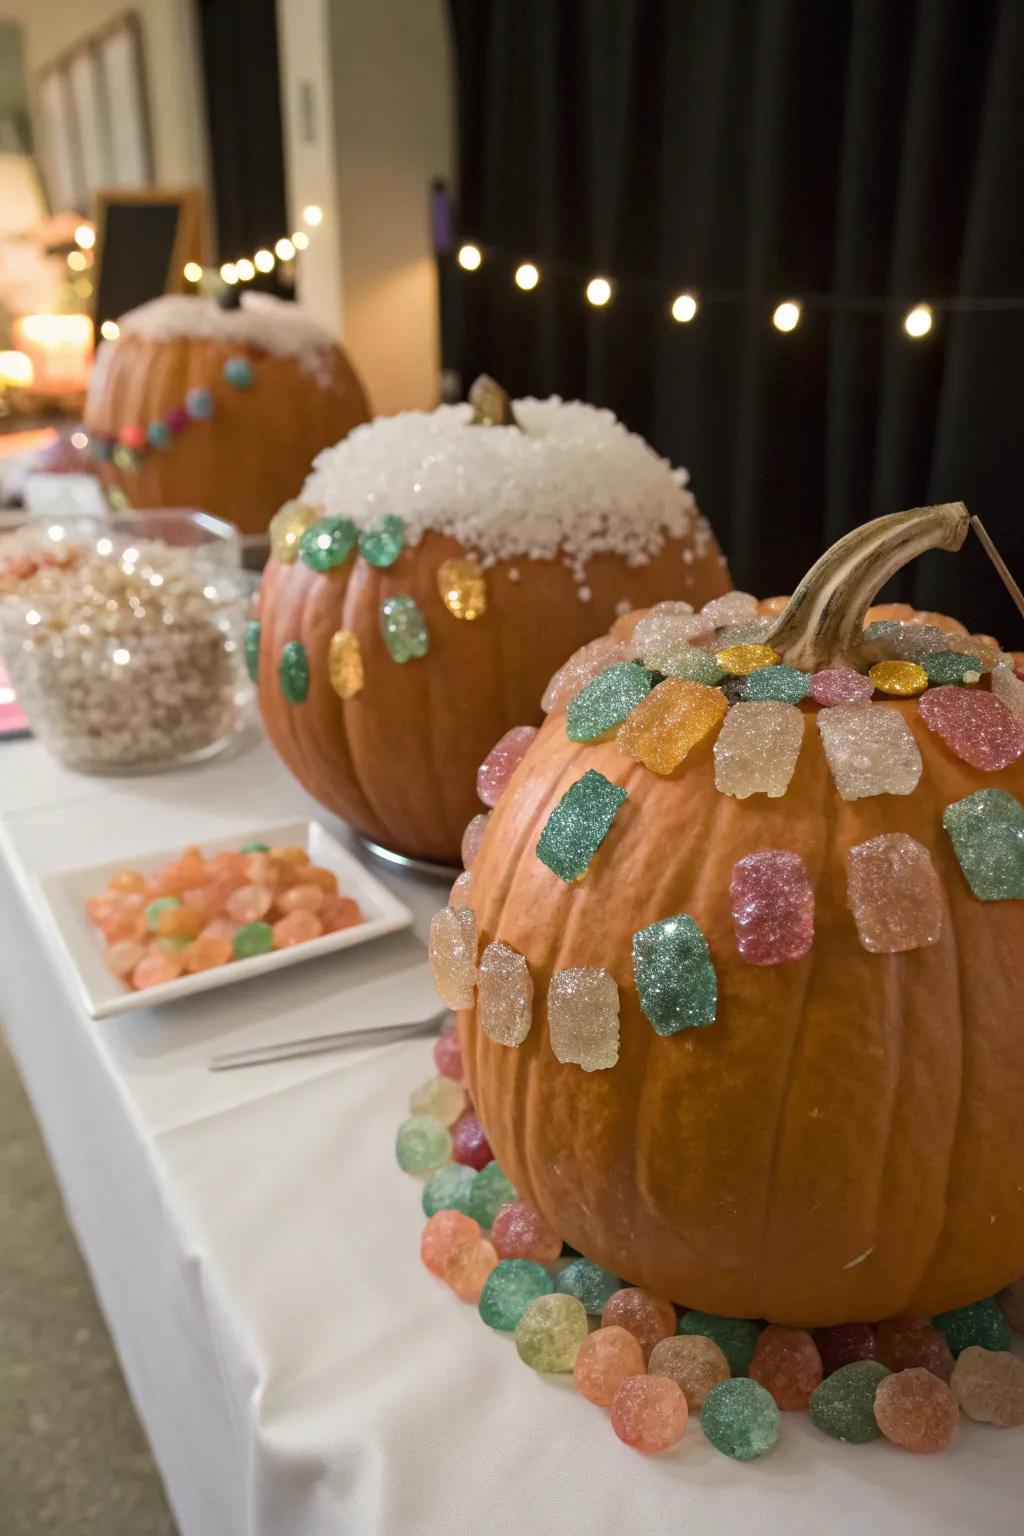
{"type": "Point", "coordinates": [843, 1142]}
{"type": "Point", "coordinates": [398, 759]}
{"type": "Point", "coordinates": [269, 388]}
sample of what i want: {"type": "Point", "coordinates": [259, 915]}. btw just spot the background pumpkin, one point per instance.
{"type": "Point", "coordinates": [254, 450]}
{"type": "Point", "coordinates": [843, 1143]}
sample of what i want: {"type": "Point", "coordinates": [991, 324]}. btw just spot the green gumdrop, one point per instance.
{"type": "Point", "coordinates": [844, 1405]}
{"type": "Point", "coordinates": [255, 847]}
{"type": "Point", "coordinates": [294, 672]}
{"type": "Point", "coordinates": [509, 1289]}
{"type": "Point", "coordinates": [252, 939]}
{"type": "Point", "coordinates": [695, 666]}
{"type": "Point", "coordinates": [162, 904]}
{"type": "Point", "coordinates": [675, 976]}
{"type": "Point", "coordinates": [491, 1190]}
{"type": "Point", "coordinates": [448, 1189]}
{"type": "Point", "coordinates": [404, 629]}
{"type": "Point", "coordinates": [740, 1418]}
{"type": "Point", "coordinates": [422, 1144]}
{"type": "Point", "coordinates": [252, 649]}
{"type": "Point", "coordinates": [950, 667]}
{"type": "Point", "coordinates": [981, 1323]}
{"type": "Point", "coordinates": [606, 700]}
{"type": "Point", "coordinates": [785, 684]}
{"type": "Point", "coordinates": [589, 1283]}
{"type": "Point", "coordinates": [327, 543]}
{"type": "Point", "coordinates": [987, 830]}
{"type": "Point", "coordinates": [736, 1337]}
{"type": "Point", "coordinates": [381, 542]}
{"type": "Point", "coordinates": [550, 1332]}
{"type": "Point", "coordinates": [579, 824]}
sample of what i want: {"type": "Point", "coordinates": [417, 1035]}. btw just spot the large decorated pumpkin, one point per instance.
{"type": "Point", "coordinates": [740, 955]}
{"type": "Point", "coordinates": [436, 571]}
{"type": "Point", "coordinates": [198, 405]}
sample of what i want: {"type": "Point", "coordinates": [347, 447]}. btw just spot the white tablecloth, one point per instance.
{"type": "Point", "coordinates": [255, 1250]}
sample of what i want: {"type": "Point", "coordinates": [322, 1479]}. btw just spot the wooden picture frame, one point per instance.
{"type": "Point", "coordinates": [158, 248]}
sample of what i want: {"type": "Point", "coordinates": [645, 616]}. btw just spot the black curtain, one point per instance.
{"type": "Point", "coordinates": [774, 147]}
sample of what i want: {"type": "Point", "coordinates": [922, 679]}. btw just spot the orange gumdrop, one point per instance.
{"type": "Point", "coordinates": [205, 953]}
{"type": "Point", "coordinates": [219, 928]}
{"type": "Point", "coordinates": [179, 923]}
{"type": "Point", "coordinates": [263, 869]}
{"type": "Point", "coordinates": [326, 879]}
{"type": "Point", "coordinates": [123, 956]}
{"type": "Point", "coordinates": [249, 903]}
{"type": "Point", "coordinates": [228, 862]}
{"type": "Point", "coordinates": [305, 897]}
{"type": "Point", "coordinates": [340, 912]}
{"type": "Point", "coordinates": [297, 928]}
{"type": "Point", "coordinates": [208, 900]}
{"type": "Point", "coordinates": [100, 905]}
{"type": "Point", "coordinates": [467, 1267]}
{"type": "Point", "coordinates": [440, 1235]}
{"type": "Point", "coordinates": [290, 853]}
{"type": "Point", "coordinates": [127, 880]}
{"type": "Point", "coordinates": [122, 924]}
{"type": "Point", "coordinates": [159, 966]}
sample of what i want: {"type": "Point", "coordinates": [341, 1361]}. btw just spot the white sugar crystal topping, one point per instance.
{"type": "Point", "coordinates": [573, 482]}
{"type": "Point", "coordinates": [274, 325]}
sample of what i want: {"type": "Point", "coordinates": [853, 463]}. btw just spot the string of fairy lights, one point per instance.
{"type": "Point", "coordinates": [918, 319]}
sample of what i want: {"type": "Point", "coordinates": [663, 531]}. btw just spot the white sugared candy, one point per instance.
{"type": "Point", "coordinates": [661, 636]}
{"type": "Point", "coordinates": [732, 608]}
{"type": "Point", "coordinates": [583, 1018]}
{"type": "Point", "coordinates": [453, 949]}
{"type": "Point", "coordinates": [504, 994]}
{"type": "Point", "coordinates": [870, 750]}
{"type": "Point", "coordinates": [1008, 689]}
{"type": "Point", "coordinates": [757, 748]}
{"type": "Point", "coordinates": [895, 894]}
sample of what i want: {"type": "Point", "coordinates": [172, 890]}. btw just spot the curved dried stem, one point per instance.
{"type": "Point", "coordinates": [492, 407]}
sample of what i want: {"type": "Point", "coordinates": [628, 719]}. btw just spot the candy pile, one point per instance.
{"type": "Point", "coordinates": [652, 1364]}
{"type": "Point", "coordinates": [197, 912]}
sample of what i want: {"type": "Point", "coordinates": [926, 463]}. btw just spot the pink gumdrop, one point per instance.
{"type": "Point", "coordinates": [297, 928]}
{"type": "Point", "coordinates": [440, 1235]}
{"type": "Point", "coordinates": [448, 1053]}
{"type": "Point", "coordinates": [519, 1231]}
{"type": "Point", "coordinates": [649, 1413]}
{"type": "Point", "coordinates": [159, 966]}
{"type": "Point", "coordinates": [772, 904]}
{"type": "Point", "coordinates": [249, 903]}
{"type": "Point", "coordinates": [473, 837]}
{"type": "Point", "coordinates": [209, 899]}
{"type": "Point", "coordinates": [469, 1144]}
{"type": "Point", "coordinates": [977, 726]}
{"type": "Point", "coordinates": [123, 956]}
{"type": "Point", "coordinates": [840, 685]}
{"type": "Point", "coordinates": [587, 662]}
{"type": "Point", "coordinates": [219, 928]}
{"type": "Point", "coordinates": [301, 898]}
{"type": "Point", "coordinates": [844, 1343]}
{"type": "Point", "coordinates": [339, 912]}
{"type": "Point", "coordinates": [502, 761]}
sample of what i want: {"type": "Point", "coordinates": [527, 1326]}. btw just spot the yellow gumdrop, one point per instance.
{"type": "Point", "coordinates": [903, 678]}
{"type": "Point", "coordinates": [463, 588]}
{"type": "Point", "coordinates": [345, 664]}
{"type": "Point", "coordinates": [741, 660]}
{"type": "Point", "coordinates": [670, 721]}
{"type": "Point", "coordinates": [287, 526]}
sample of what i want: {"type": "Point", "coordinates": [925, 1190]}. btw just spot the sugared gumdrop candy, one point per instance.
{"type": "Point", "coordinates": [989, 1386]}
{"type": "Point", "coordinates": [441, 1097]}
{"type": "Point", "coordinates": [550, 1332]}
{"type": "Point", "coordinates": [1011, 1304]}
{"type": "Point", "coordinates": [694, 1363]}
{"type": "Point", "coordinates": [786, 1362]}
{"type": "Point", "coordinates": [740, 1419]}
{"type": "Point", "coordinates": [502, 761]}
{"type": "Point", "coordinates": [606, 1358]}
{"type": "Point", "coordinates": [981, 1323]}
{"type": "Point", "coordinates": [646, 1317]}
{"type": "Point", "coordinates": [975, 725]}
{"type": "Point", "coordinates": [469, 1144]}
{"type": "Point", "coordinates": [467, 1267]}
{"type": "Point", "coordinates": [840, 685]}
{"type": "Point", "coordinates": [736, 1337]}
{"type": "Point", "coordinates": [491, 1191]}
{"type": "Point", "coordinates": [907, 1342]}
{"type": "Point", "coordinates": [448, 1189]}
{"type": "Point", "coordinates": [156, 968]}
{"type": "Point", "coordinates": [649, 1413]}
{"type": "Point", "coordinates": [845, 1343]}
{"type": "Point", "coordinates": [441, 1234]}
{"type": "Point", "coordinates": [205, 953]}
{"type": "Point", "coordinates": [296, 928]}
{"type": "Point", "coordinates": [422, 1144]}
{"type": "Point", "coordinates": [916, 1411]}
{"type": "Point", "coordinates": [509, 1289]}
{"type": "Point", "coordinates": [123, 956]}
{"type": "Point", "coordinates": [473, 837]}
{"type": "Point", "coordinates": [583, 665]}
{"type": "Point", "coordinates": [589, 1283]}
{"type": "Point", "coordinates": [844, 1405]}
{"type": "Point", "coordinates": [519, 1231]}
{"type": "Point", "coordinates": [448, 1052]}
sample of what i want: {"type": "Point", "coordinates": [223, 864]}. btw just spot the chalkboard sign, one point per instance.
{"type": "Point", "coordinates": [143, 240]}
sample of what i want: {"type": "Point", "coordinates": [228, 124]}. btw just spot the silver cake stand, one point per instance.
{"type": "Point", "coordinates": [402, 862]}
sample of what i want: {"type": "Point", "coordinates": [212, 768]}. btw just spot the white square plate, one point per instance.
{"type": "Point", "coordinates": [81, 946]}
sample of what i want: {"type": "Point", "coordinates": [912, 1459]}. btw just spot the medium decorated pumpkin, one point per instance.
{"type": "Point", "coordinates": [738, 956]}
{"type": "Point", "coordinates": [437, 569]}
{"type": "Point", "coordinates": [220, 408]}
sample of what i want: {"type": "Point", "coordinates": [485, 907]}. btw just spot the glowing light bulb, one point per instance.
{"type": "Point", "coordinates": [229, 272]}
{"type": "Point", "coordinates": [684, 307]}
{"type": "Point", "coordinates": [284, 249]}
{"type": "Point", "coordinates": [469, 257]}
{"type": "Point", "coordinates": [110, 330]}
{"type": "Point", "coordinates": [264, 261]}
{"type": "Point", "coordinates": [77, 261]}
{"type": "Point", "coordinates": [312, 215]}
{"type": "Point", "coordinates": [79, 440]}
{"type": "Point", "coordinates": [192, 271]}
{"type": "Point", "coordinates": [787, 315]}
{"type": "Point", "coordinates": [245, 269]}
{"type": "Point", "coordinates": [527, 276]}
{"type": "Point", "coordinates": [85, 236]}
{"type": "Point", "coordinates": [300, 240]}
{"type": "Point", "coordinates": [918, 321]}
{"type": "Point", "coordinates": [599, 291]}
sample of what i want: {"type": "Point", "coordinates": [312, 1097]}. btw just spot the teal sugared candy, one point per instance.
{"type": "Point", "coordinates": [606, 700]}
{"type": "Point", "coordinates": [158, 434]}
{"type": "Point", "coordinates": [741, 1419]}
{"type": "Point", "coordinates": [550, 1332]}
{"type": "Point", "coordinates": [422, 1144]}
{"type": "Point", "coordinates": [785, 684]}
{"type": "Point", "coordinates": [589, 1283]}
{"type": "Point", "coordinates": [294, 672]}
{"type": "Point", "coordinates": [675, 978]}
{"type": "Point", "coordinates": [736, 1337]}
{"type": "Point", "coordinates": [327, 543]}
{"type": "Point", "coordinates": [448, 1189]}
{"type": "Point", "coordinates": [987, 831]}
{"type": "Point", "coordinates": [238, 372]}
{"type": "Point", "coordinates": [255, 848]}
{"type": "Point", "coordinates": [382, 541]}
{"type": "Point", "coordinates": [491, 1190]}
{"type": "Point", "coordinates": [404, 628]}
{"type": "Point", "coordinates": [579, 824]}
{"type": "Point", "coordinates": [950, 667]}
{"type": "Point", "coordinates": [252, 649]}
{"type": "Point", "coordinates": [252, 939]}
{"type": "Point", "coordinates": [844, 1405]}
{"type": "Point", "coordinates": [509, 1289]}
{"type": "Point", "coordinates": [982, 1323]}
{"type": "Point", "coordinates": [161, 904]}
{"type": "Point", "coordinates": [199, 404]}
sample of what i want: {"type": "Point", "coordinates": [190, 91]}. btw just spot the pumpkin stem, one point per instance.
{"type": "Point", "coordinates": [822, 623]}
{"type": "Point", "coordinates": [492, 407]}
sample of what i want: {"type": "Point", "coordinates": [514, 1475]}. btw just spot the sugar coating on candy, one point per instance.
{"type": "Point", "coordinates": [249, 903]}
{"type": "Point", "coordinates": [786, 684]}
{"type": "Point", "coordinates": [892, 639]}
{"type": "Point", "coordinates": [469, 1144]}
{"type": "Point", "coordinates": [381, 542]}
{"type": "Point", "coordinates": [736, 1337]}
{"type": "Point", "coordinates": [583, 1018]}
{"type": "Point", "coordinates": [463, 588]}
{"type": "Point", "coordinates": [328, 543]}
{"type": "Point", "coordinates": [441, 1097]}
{"type": "Point", "coordinates": [252, 649]}
{"type": "Point", "coordinates": [844, 1343]}
{"type": "Point", "coordinates": [155, 969]}
{"type": "Point", "coordinates": [917, 1411]}
{"type": "Point", "coordinates": [787, 1363]}
{"type": "Point", "coordinates": [987, 831]}
{"type": "Point", "coordinates": [519, 1231]}
{"type": "Point", "coordinates": [1008, 689]}
{"type": "Point", "coordinates": [583, 665]}
{"type": "Point", "coordinates": [606, 1358]}
{"type": "Point", "coordinates": [448, 1189]}
{"type": "Point", "coordinates": [422, 1144]}
{"type": "Point", "coordinates": [473, 837]}
{"type": "Point", "coordinates": [579, 824]}
{"type": "Point", "coordinates": [977, 726]}
{"type": "Point", "coordinates": [906, 1342]}
{"type": "Point", "coordinates": [1011, 1304]}
{"type": "Point", "coordinates": [345, 664]}
{"type": "Point", "coordinates": [504, 994]}
{"type": "Point", "coordinates": [252, 939]}
{"type": "Point", "coordinates": [606, 701]}
{"type": "Point", "coordinates": [894, 893]}
{"type": "Point", "coordinates": [903, 679]}
{"type": "Point", "coordinates": [453, 950]}
{"type": "Point", "coordinates": [287, 526]}
{"type": "Point", "coordinates": [741, 660]}
{"type": "Point", "coordinates": [740, 1419]}
{"type": "Point", "coordinates": [448, 1053]}
{"type": "Point", "coordinates": [870, 750]}
{"type": "Point", "coordinates": [646, 1317]}
{"type": "Point", "coordinates": [467, 1266]}
{"type": "Point", "coordinates": [589, 1283]}
{"type": "Point", "coordinates": [951, 667]}
{"type": "Point", "coordinates": [985, 650]}
{"type": "Point", "coordinates": [981, 1323]}
{"type": "Point", "coordinates": [491, 1190]}
{"type": "Point", "coordinates": [693, 665]}
{"type": "Point", "coordinates": [262, 321]}
{"type": "Point", "coordinates": [663, 635]}
{"type": "Point", "coordinates": [694, 1363]}
{"type": "Point", "coordinates": [757, 632]}
{"type": "Point", "coordinates": [844, 1405]}
{"type": "Point", "coordinates": [441, 1234]}
{"type": "Point", "coordinates": [772, 905]}
{"type": "Point", "coordinates": [550, 1333]}
{"type": "Point", "coordinates": [649, 1413]}
{"type": "Point", "coordinates": [460, 893]}
{"type": "Point", "coordinates": [732, 608]}
{"type": "Point", "coordinates": [676, 984]}
{"type": "Point", "coordinates": [757, 749]}
{"type": "Point", "coordinates": [404, 629]}
{"type": "Point", "coordinates": [293, 672]}
{"type": "Point", "coordinates": [502, 761]}
{"type": "Point", "coordinates": [509, 1289]}
{"type": "Point", "coordinates": [989, 1386]}
{"type": "Point", "coordinates": [840, 685]}
{"type": "Point", "coordinates": [669, 722]}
